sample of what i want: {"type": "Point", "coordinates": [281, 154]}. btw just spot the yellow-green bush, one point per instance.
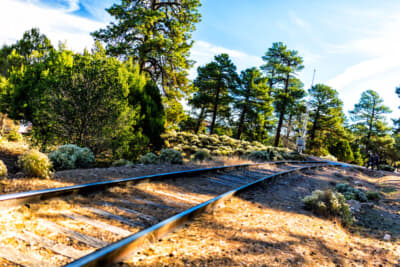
{"type": "Point", "coordinates": [171, 156]}
{"type": "Point", "coordinates": [3, 169]}
{"type": "Point", "coordinates": [36, 164]}
{"type": "Point", "coordinates": [329, 203]}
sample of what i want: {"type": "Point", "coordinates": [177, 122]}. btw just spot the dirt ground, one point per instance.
{"type": "Point", "coordinates": [268, 226]}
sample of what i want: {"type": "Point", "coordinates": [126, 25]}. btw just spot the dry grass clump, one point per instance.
{"type": "Point", "coordinates": [328, 203]}
{"type": "Point", "coordinates": [35, 164]}
{"type": "Point", "coordinates": [3, 169]}
{"type": "Point", "coordinates": [13, 148]}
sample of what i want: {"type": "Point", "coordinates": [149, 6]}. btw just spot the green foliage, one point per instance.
{"type": "Point", "coordinates": [149, 158]}
{"type": "Point", "coordinates": [223, 145]}
{"type": "Point", "coordinates": [385, 167]}
{"type": "Point", "coordinates": [122, 162]}
{"type": "Point", "coordinates": [350, 192]}
{"type": "Point", "coordinates": [342, 150]}
{"type": "Point", "coordinates": [281, 67]}
{"type": "Point", "coordinates": [3, 169]}
{"type": "Point", "coordinates": [71, 156]}
{"type": "Point", "coordinates": [36, 164]}
{"type": "Point", "coordinates": [213, 83]}
{"type": "Point", "coordinates": [157, 35]}
{"type": "Point", "coordinates": [151, 118]}
{"type": "Point", "coordinates": [171, 156]}
{"type": "Point", "coordinates": [14, 136]}
{"type": "Point", "coordinates": [201, 155]}
{"type": "Point", "coordinates": [368, 117]}
{"type": "Point", "coordinates": [252, 101]}
{"type": "Point", "coordinates": [329, 203]}
{"type": "Point", "coordinates": [326, 132]}
{"type": "Point", "coordinates": [373, 195]}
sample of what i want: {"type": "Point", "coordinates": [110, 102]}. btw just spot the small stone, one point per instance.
{"type": "Point", "coordinates": [387, 237]}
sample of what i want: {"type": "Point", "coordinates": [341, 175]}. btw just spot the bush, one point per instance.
{"type": "Point", "coordinates": [36, 164]}
{"type": "Point", "coordinates": [385, 167]}
{"type": "Point", "coordinates": [122, 162]}
{"type": "Point", "coordinates": [3, 169]}
{"type": "Point", "coordinates": [72, 157]}
{"type": "Point", "coordinates": [201, 155]}
{"type": "Point", "coordinates": [351, 192]}
{"type": "Point", "coordinates": [149, 158]}
{"type": "Point", "coordinates": [373, 195]}
{"type": "Point", "coordinates": [329, 203]}
{"type": "Point", "coordinates": [259, 156]}
{"type": "Point", "coordinates": [14, 136]}
{"type": "Point", "coordinates": [171, 156]}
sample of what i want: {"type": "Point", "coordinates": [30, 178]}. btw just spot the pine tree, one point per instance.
{"type": "Point", "coordinates": [368, 118]}
{"type": "Point", "coordinates": [214, 82]}
{"type": "Point", "coordinates": [156, 34]}
{"type": "Point", "coordinates": [251, 99]}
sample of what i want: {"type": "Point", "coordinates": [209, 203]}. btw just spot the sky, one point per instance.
{"type": "Point", "coordinates": [353, 45]}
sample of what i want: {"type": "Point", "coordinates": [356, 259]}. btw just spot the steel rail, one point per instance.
{"type": "Point", "coordinates": [120, 249]}
{"type": "Point", "coordinates": [16, 199]}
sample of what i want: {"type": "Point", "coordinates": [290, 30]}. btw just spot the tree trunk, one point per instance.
{"type": "Point", "coordinates": [281, 115]}
{"type": "Point", "coordinates": [199, 120]}
{"type": "Point", "coordinates": [215, 109]}
{"type": "Point", "coordinates": [314, 128]}
{"type": "Point", "coordinates": [278, 129]}
{"type": "Point", "coordinates": [244, 111]}
{"type": "Point", "coordinates": [289, 129]}
{"type": "Point", "coordinates": [370, 128]}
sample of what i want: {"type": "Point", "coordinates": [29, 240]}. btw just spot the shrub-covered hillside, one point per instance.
{"type": "Point", "coordinates": [222, 145]}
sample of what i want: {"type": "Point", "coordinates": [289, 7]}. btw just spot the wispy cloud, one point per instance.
{"type": "Point", "coordinates": [56, 23]}
{"type": "Point", "coordinates": [203, 53]}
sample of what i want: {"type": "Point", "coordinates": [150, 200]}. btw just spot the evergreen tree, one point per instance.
{"type": "Point", "coordinates": [368, 118]}
{"type": "Point", "coordinates": [326, 115]}
{"type": "Point", "coordinates": [214, 82]}
{"type": "Point", "coordinates": [31, 41]}
{"type": "Point", "coordinates": [251, 99]}
{"type": "Point", "coordinates": [281, 67]}
{"type": "Point", "coordinates": [156, 34]}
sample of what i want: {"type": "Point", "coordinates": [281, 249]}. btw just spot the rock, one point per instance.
{"type": "Point", "coordinates": [354, 205]}
{"type": "Point", "coordinates": [387, 237]}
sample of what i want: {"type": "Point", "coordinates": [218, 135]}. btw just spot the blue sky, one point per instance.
{"type": "Point", "coordinates": [353, 45]}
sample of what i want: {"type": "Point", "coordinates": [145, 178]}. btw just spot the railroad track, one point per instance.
{"type": "Point", "coordinates": [101, 223]}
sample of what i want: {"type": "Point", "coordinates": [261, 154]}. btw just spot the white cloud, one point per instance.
{"type": "Point", "coordinates": [203, 53]}
{"type": "Point", "coordinates": [56, 24]}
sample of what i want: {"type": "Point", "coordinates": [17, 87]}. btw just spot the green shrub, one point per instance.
{"type": "Point", "coordinates": [149, 158]}
{"type": "Point", "coordinates": [351, 192]}
{"type": "Point", "coordinates": [385, 167]}
{"type": "Point", "coordinates": [171, 156]}
{"type": "Point", "coordinates": [36, 164]}
{"type": "Point", "coordinates": [329, 203]}
{"type": "Point", "coordinates": [14, 136]}
{"type": "Point", "coordinates": [122, 162]}
{"type": "Point", "coordinates": [3, 169]}
{"type": "Point", "coordinates": [373, 195]}
{"type": "Point", "coordinates": [201, 155]}
{"type": "Point", "coordinates": [259, 156]}
{"type": "Point", "coordinates": [71, 156]}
